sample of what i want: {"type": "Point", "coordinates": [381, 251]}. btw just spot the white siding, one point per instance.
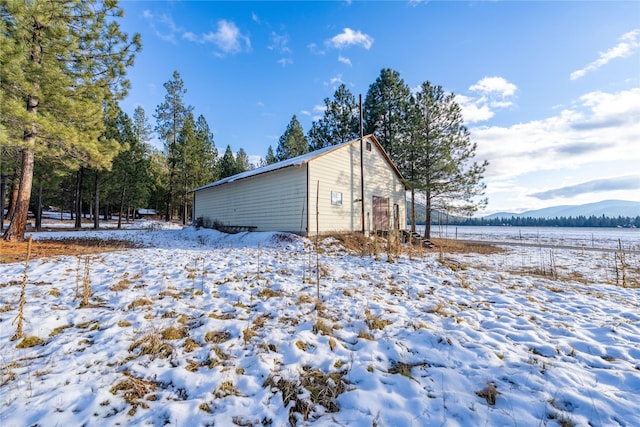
{"type": "Point", "coordinates": [270, 201]}
{"type": "Point", "coordinates": [339, 170]}
{"type": "Point", "coordinates": [285, 199]}
{"type": "Point", "coordinates": [381, 180]}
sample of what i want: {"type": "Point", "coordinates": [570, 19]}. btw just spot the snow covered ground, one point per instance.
{"type": "Point", "coordinates": [201, 328]}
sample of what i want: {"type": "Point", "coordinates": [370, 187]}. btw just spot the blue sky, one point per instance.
{"type": "Point", "coordinates": [550, 90]}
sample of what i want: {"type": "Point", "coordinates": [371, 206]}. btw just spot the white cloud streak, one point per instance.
{"type": "Point", "coordinates": [628, 44]}
{"type": "Point", "coordinates": [344, 60]}
{"type": "Point", "coordinates": [489, 94]}
{"type": "Point", "coordinates": [599, 127]}
{"type": "Point", "coordinates": [349, 37]}
{"type": "Point", "coordinates": [227, 37]}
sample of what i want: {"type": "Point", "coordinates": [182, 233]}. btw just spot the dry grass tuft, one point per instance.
{"type": "Point", "coordinates": [29, 342]}
{"type": "Point", "coordinates": [217, 337]}
{"type": "Point", "coordinates": [152, 345]}
{"type": "Point", "coordinates": [140, 302]}
{"type": "Point", "coordinates": [267, 293]}
{"type": "Point", "coordinates": [226, 389]}
{"type": "Point", "coordinates": [134, 390]}
{"type": "Point", "coordinates": [173, 333]}
{"type": "Point", "coordinates": [365, 334]}
{"type": "Point", "coordinates": [404, 369]}
{"type": "Point", "coordinates": [321, 326]}
{"type": "Point", "coordinates": [375, 323]}
{"type": "Point", "coordinates": [490, 393]}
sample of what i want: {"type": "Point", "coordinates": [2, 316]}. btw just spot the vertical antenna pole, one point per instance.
{"type": "Point", "coordinates": [361, 167]}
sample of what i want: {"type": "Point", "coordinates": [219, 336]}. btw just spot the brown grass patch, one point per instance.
{"type": "Point", "coordinates": [357, 243]}
{"type": "Point", "coordinates": [463, 247]}
{"type": "Point", "coordinates": [134, 390]}
{"type": "Point", "coordinates": [16, 251]}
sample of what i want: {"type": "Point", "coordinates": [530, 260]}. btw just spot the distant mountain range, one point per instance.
{"type": "Point", "coordinates": [608, 208]}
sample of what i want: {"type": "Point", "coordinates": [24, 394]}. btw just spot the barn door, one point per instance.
{"type": "Point", "coordinates": [380, 213]}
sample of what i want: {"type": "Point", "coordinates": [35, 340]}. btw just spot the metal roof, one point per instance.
{"type": "Point", "coordinates": [296, 162]}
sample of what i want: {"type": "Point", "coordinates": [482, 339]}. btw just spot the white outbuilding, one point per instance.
{"type": "Point", "coordinates": [352, 186]}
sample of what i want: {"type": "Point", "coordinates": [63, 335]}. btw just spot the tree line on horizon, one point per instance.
{"type": "Point", "coordinates": [66, 142]}
{"type": "Point", "coordinates": [558, 221]}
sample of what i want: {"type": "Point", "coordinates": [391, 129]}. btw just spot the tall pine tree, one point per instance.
{"type": "Point", "coordinates": [60, 62]}
{"type": "Point", "coordinates": [228, 164]}
{"type": "Point", "coordinates": [385, 111]}
{"type": "Point", "coordinates": [170, 117]}
{"type": "Point", "coordinates": [271, 157]}
{"type": "Point", "coordinates": [340, 121]}
{"type": "Point", "coordinates": [292, 143]}
{"type": "Point", "coordinates": [450, 179]}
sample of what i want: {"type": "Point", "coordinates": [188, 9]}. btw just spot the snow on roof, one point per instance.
{"type": "Point", "coordinates": [294, 161]}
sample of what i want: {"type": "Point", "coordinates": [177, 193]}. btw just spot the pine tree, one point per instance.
{"type": "Point", "coordinates": [141, 127]}
{"type": "Point", "coordinates": [186, 158]}
{"type": "Point", "coordinates": [450, 179]}
{"type": "Point", "coordinates": [128, 182]}
{"type": "Point", "coordinates": [385, 110]}
{"type": "Point", "coordinates": [60, 62]}
{"type": "Point", "coordinates": [207, 169]}
{"type": "Point", "coordinates": [271, 157]}
{"type": "Point", "coordinates": [242, 161]}
{"type": "Point", "coordinates": [340, 122]}
{"type": "Point", "coordinates": [228, 164]}
{"type": "Point", "coordinates": [293, 142]}
{"type": "Point", "coordinates": [170, 117]}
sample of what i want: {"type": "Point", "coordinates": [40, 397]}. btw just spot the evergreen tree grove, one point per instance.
{"type": "Point", "coordinates": [60, 62]}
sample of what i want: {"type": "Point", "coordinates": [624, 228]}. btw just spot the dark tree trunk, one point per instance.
{"type": "Point", "coordinates": [413, 210]}
{"type": "Point", "coordinates": [18, 224]}
{"type": "Point", "coordinates": [3, 195]}
{"type": "Point", "coordinates": [13, 199]}
{"type": "Point", "coordinates": [38, 210]}
{"type": "Point", "coordinates": [121, 211]}
{"type": "Point", "coordinates": [78, 207]}
{"type": "Point", "coordinates": [96, 200]}
{"type": "Point", "coordinates": [427, 220]}
{"type": "Point", "coordinates": [167, 216]}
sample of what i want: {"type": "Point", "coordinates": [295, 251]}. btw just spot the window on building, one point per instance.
{"type": "Point", "coordinates": [336, 198]}
{"type": "Point", "coordinates": [368, 145]}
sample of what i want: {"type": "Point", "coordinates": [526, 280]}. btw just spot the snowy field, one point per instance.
{"type": "Point", "coordinates": [199, 328]}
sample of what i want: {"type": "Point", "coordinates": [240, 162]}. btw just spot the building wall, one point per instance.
{"type": "Point", "coordinates": [336, 171]}
{"type": "Point", "coordinates": [339, 171]}
{"type": "Point", "coordinates": [285, 199]}
{"type": "Point", "coordinates": [271, 201]}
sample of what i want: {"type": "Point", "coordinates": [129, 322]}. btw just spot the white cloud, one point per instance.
{"type": "Point", "coordinates": [599, 127]}
{"type": "Point", "coordinates": [318, 112]}
{"type": "Point", "coordinates": [472, 110]}
{"type": "Point", "coordinates": [344, 60]}
{"type": "Point", "coordinates": [489, 94]}
{"type": "Point", "coordinates": [162, 25]}
{"type": "Point", "coordinates": [628, 43]}
{"type": "Point", "coordinates": [280, 44]}
{"type": "Point", "coordinates": [349, 37]}
{"type": "Point", "coordinates": [228, 38]}
{"type": "Point", "coordinates": [494, 85]}
{"type": "Point", "coordinates": [315, 49]}
{"type": "Point", "coordinates": [255, 18]}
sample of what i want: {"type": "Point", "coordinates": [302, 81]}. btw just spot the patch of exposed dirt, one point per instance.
{"type": "Point", "coordinates": [17, 251]}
